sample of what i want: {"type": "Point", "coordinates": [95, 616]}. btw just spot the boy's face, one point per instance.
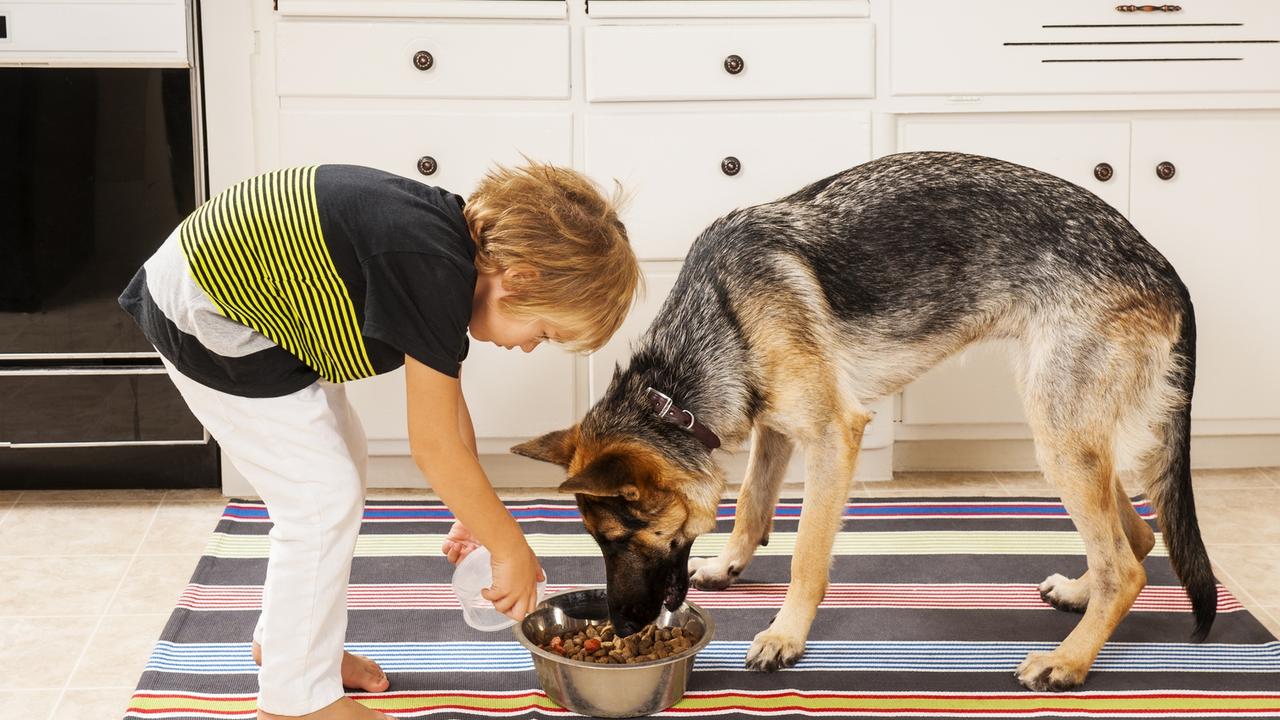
{"type": "Point", "coordinates": [490, 324]}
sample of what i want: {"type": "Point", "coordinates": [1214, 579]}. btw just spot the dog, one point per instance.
{"type": "Point", "coordinates": [789, 318]}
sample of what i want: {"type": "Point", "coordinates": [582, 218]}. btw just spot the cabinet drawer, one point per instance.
{"type": "Point", "coordinates": [452, 151]}
{"type": "Point", "coordinates": [68, 406]}
{"type": "Point", "coordinates": [94, 33]}
{"type": "Point", "coordinates": [414, 59]}
{"type": "Point", "coordinates": [684, 170]}
{"type": "Point", "coordinates": [1043, 47]}
{"type": "Point", "coordinates": [722, 62]}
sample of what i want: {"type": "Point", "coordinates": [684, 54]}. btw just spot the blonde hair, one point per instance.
{"type": "Point", "coordinates": [555, 222]}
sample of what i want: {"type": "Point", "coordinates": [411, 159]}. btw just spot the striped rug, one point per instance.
{"type": "Point", "coordinates": [932, 605]}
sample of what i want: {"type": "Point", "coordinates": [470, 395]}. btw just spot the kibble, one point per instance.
{"type": "Point", "coordinates": [599, 644]}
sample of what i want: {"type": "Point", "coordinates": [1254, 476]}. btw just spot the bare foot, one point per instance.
{"type": "Point", "coordinates": [343, 709]}
{"type": "Point", "coordinates": [357, 672]}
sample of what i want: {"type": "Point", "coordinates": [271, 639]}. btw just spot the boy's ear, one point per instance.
{"type": "Point", "coordinates": [607, 476]}
{"type": "Point", "coordinates": [555, 447]}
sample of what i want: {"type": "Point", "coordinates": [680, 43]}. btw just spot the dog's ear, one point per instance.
{"type": "Point", "coordinates": [607, 476]}
{"type": "Point", "coordinates": [554, 447]}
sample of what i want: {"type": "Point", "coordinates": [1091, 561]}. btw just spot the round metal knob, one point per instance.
{"type": "Point", "coordinates": [427, 165]}
{"type": "Point", "coordinates": [730, 166]}
{"type": "Point", "coordinates": [423, 60]}
{"type": "Point", "coordinates": [1103, 171]}
{"type": "Point", "coordinates": [734, 64]}
{"type": "Point", "coordinates": [1166, 170]}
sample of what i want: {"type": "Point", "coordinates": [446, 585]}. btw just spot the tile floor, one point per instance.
{"type": "Point", "coordinates": [88, 578]}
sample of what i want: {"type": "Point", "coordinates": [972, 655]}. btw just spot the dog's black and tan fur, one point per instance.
{"type": "Point", "coordinates": [789, 318]}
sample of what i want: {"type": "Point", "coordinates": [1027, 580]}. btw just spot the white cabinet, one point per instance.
{"type": "Point", "coordinates": [98, 33]}
{"type": "Point", "coordinates": [1036, 47]}
{"type": "Point", "coordinates": [1214, 220]}
{"type": "Point", "coordinates": [729, 62]}
{"type": "Point", "coordinates": [416, 59]}
{"type": "Point", "coordinates": [449, 150]}
{"type": "Point", "coordinates": [684, 170]}
{"type": "Point", "coordinates": [1218, 222]}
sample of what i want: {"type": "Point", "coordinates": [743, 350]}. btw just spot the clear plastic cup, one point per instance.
{"type": "Point", "coordinates": [473, 574]}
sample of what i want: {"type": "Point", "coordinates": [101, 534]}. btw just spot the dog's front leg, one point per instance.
{"type": "Point", "coordinates": [753, 518]}
{"type": "Point", "coordinates": [830, 458]}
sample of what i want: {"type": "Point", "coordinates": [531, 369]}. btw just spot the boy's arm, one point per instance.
{"type": "Point", "coordinates": [450, 465]}
{"type": "Point", "coordinates": [465, 426]}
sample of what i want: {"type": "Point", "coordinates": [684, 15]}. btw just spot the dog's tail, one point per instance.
{"type": "Point", "coordinates": [1170, 463]}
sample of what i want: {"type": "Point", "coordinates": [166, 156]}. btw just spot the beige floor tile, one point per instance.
{"type": "Point", "coordinates": [181, 528]}
{"type": "Point", "coordinates": [74, 528]}
{"type": "Point", "coordinates": [44, 649]}
{"type": "Point", "coordinates": [1239, 516]}
{"type": "Point", "coordinates": [98, 704]}
{"type": "Point", "coordinates": [1256, 568]}
{"type": "Point", "coordinates": [1025, 483]}
{"type": "Point", "coordinates": [153, 583]}
{"type": "Point", "coordinates": [1270, 618]}
{"type": "Point", "coordinates": [59, 585]}
{"type": "Point", "coordinates": [424, 494]}
{"type": "Point", "coordinates": [118, 651]}
{"type": "Point", "coordinates": [1231, 479]}
{"type": "Point", "coordinates": [209, 495]}
{"type": "Point", "coordinates": [25, 704]}
{"type": "Point", "coordinates": [940, 484]}
{"type": "Point", "coordinates": [40, 497]}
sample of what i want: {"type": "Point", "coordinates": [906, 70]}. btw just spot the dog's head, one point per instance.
{"type": "Point", "coordinates": [643, 507]}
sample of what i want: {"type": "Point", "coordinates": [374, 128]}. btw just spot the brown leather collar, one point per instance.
{"type": "Point", "coordinates": [672, 413]}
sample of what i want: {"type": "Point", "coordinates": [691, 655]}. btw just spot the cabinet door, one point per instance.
{"type": "Point", "coordinates": [1217, 221]}
{"type": "Point", "coordinates": [684, 170]}
{"type": "Point", "coordinates": [977, 386]}
{"type": "Point", "coordinates": [510, 394]}
{"type": "Point", "coordinates": [658, 281]}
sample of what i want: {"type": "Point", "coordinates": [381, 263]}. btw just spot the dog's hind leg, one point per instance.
{"type": "Point", "coordinates": [766, 467]}
{"type": "Point", "coordinates": [1072, 595]}
{"type": "Point", "coordinates": [1079, 386]}
{"type": "Point", "coordinates": [830, 458]}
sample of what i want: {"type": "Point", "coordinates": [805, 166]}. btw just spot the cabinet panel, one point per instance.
{"type": "Point", "coordinates": [685, 170]}
{"type": "Point", "coordinates": [729, 62]}
{"type": "Point", "coordinates": [461, 147]}
{"type": "Point", "coordinates": [977, 385]}
{"type": "Point", "coordinates": [85, 406]}
{"type": "Point", "coordinates": [414, 59]}
{"type": "Point", "coordinates": [995, 47]}
{"type": "Point", "coordinates": [1216, 220]}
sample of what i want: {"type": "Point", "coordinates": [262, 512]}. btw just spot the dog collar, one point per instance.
{"type": "Point", "coordinates": [667, 410]}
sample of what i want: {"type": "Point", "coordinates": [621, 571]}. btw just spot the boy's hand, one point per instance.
{"type": "Point", "coordinates": [458, 543]}
{"type": "Point", "coordinates": [515, 583]}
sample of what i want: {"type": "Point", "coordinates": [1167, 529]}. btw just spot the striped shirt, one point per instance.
{"type": "Point", "coordinates": [331, 271]}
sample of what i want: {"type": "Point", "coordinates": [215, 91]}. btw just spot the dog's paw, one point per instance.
{"type": "Point", "coordinates": [1065, 593]}
{"type": "Point", "coordinates": [773, 651]}
{"type": "Point", "coordinates": [712, 573]}
{"type": "Point", "coordinates": [1049, 672]}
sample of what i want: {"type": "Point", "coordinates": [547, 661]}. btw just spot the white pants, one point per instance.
{"type": "Point", "coordinates": [305, 454]}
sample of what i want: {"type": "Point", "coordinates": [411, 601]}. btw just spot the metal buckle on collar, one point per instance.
{"type": "Point", "coordinates": [666, 399]}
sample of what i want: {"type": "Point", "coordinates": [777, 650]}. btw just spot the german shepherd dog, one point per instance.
{"type": "Point", "coordinates": [789, 318]}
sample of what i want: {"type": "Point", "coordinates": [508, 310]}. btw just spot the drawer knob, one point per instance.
{"type": "Point", "coordinates": [730, 166]}
{"type": "Point", "coordinates": [427, 165]}
{"type": "Point", "coordinates": [734, 64]}
{"type": "Point", "coordinates": [1149, 8]}
{"type": "Point", "coordinates": [1103, 171]}
{"type": "Point", "coordinates": [1166, 170]}
{"type": "Point", "coordinates": [423, 60]}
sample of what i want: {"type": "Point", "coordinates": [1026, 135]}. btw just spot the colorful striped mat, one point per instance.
{"type": "Point", "coordinates": [932, 605]}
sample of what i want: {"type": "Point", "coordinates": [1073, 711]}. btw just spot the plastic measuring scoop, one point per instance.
{"type": "Point", "coordinates": [473, 574]}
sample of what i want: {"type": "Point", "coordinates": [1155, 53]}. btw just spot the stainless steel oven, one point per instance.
{"type": "Point", "coordinates": [101, 155]}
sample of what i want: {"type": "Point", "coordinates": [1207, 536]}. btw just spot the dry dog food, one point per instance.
{"type": "Point", "coordinates": [599, 644]}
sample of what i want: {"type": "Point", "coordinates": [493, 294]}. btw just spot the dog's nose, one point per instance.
{"type": "Point", "coordinates": [624, 628]}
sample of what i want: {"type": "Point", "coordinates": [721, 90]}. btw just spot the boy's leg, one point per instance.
{"type": "Point", "coordinates": [295, 453]}
{"type": "Point", "coordinates": [357, 447]}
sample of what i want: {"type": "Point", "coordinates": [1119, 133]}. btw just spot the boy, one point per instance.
{"type": "Point", "coordinates": [282, 287]}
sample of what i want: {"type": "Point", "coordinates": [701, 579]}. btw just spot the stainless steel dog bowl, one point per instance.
{"type": "Point", "coordinates": [612, 691]}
